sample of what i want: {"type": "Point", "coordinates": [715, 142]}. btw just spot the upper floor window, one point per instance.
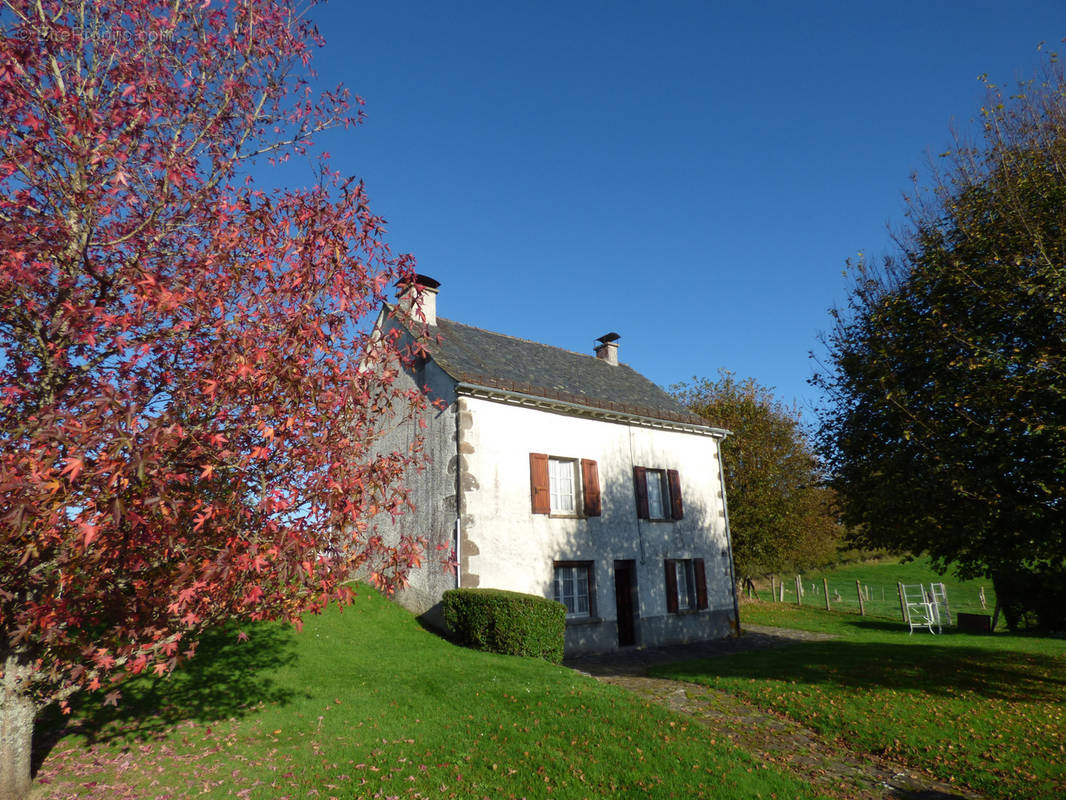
{"type": "Point", "coordinates": [653, 479]}
{"type": "Point", "coordinates": [564, 486]}
{"type": "Point", "coordinates": [658, 493]}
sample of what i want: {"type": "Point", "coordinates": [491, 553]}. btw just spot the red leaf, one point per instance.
{"type": "Point", "coordinates": [73, 467]}
{"type": "Point", "coordinates": [89, 534]}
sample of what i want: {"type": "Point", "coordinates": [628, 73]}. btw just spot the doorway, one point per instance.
{"type": "Point", "coordinates": [625, 595]}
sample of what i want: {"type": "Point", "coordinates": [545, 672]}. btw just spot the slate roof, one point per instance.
{"type": "Point", "coordinates": [476, 356]}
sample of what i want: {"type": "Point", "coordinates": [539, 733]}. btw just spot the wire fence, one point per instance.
{"type": "Point", "coordinates": [860, 597]}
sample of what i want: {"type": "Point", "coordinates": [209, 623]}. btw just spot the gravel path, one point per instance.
{"type": "Point", "coordinates": [826, 764]}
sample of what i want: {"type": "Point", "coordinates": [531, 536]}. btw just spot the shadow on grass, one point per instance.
{"type": "Point", "coordinates": [937, 670]}
{"type": "Point", "coordinates": [882, 624]}
{"type": "Point", "coordinates": [226, 679]}
{"type": "Point", "coordinates": [895, 625]}
{"type": "Point", "coordinates": [887, 625]}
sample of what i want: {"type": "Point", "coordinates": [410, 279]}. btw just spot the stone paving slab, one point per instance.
{"type": "Point", "coordinates": [637, 660]}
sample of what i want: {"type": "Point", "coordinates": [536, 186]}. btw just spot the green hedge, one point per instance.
{"type": "Point", "coordinates": [506, 622]}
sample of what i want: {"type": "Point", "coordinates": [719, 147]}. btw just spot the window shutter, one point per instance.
{"type": "Point", "coordinates": [640, 484]}
{"type": "Point", "coordinates": [671, 586]}
{"type": "Point", "coordinates": [701, 583]}
{"type": "Point", "coordinates": [538, 483]}
{"type": "Point", "coordinates": [590, 487]}
{"type": "Point", "coordinates": [677, 511]}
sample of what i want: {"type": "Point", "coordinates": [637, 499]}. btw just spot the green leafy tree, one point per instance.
{"type": "Point", "coordinates": [945, 427]}
{"type": "Point", "coordinates": [780, 515]}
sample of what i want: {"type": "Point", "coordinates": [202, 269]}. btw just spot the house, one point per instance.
{"type": "Point", "coordinates": [568, 476]}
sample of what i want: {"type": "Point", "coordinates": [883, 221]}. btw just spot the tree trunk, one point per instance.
{"type": "Point", "coordinates": [17, 712]}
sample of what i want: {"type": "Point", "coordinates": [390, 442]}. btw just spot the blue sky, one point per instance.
{"type": "Point", "coordinates": [692, 175]}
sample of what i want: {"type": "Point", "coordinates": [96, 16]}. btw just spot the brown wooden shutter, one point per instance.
{"type": "Point", "coordinates": [677, 511]}
{"type": "Point", "coordinates": [590, 487]}
{"type": "Point", "coordinates": [538, 483]}
{"type": "Point", "coordinates": [640, 484]}
{"type": "Point", "coordinates": [671, 586]}
{"type": "Point", "coordinates": [701, 583]}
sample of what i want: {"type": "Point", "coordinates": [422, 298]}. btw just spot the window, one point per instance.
{"type": "Point", "coordinates": [686, 585]}
{"type": "Point", "coordinates": [573, 587]}
{"type": "Point", "coordinates": [565, 486]}
{"type": "Point", "coordinates": [654, 481]}
{"type": "Point", "coordinates": [562, 484]}
{"type": "Point", "coordinates": [658, 493]}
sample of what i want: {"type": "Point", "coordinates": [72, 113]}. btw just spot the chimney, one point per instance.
{"type": "Point", "coordinates": [607, 350]}
{"type": "Point", "coordinates": [426, 289]}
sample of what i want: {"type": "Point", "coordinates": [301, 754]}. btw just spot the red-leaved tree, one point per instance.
{"type": "Point", "coordinates": [189, 398]}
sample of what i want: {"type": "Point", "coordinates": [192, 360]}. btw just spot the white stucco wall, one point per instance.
{"type": "Point", "coordinates": [516, 548]}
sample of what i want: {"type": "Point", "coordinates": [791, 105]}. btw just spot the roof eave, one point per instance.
{"type": "Point", "coordinates": [589, 411]}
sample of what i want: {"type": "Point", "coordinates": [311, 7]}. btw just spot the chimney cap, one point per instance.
{"type": "Point", "coordinates": [424, 281]}
{"type": "Point", "coordinates": [607, 338]}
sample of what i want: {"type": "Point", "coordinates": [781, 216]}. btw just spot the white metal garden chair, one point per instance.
{"type": "Point", "coordinates": [938, 596]}
{"type": "Point", "coordinates": [921, 610]}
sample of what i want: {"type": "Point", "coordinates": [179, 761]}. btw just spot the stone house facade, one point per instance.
{"type": "Point", "coordinates": [569, 476]}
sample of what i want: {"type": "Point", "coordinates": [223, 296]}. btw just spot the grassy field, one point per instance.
{"type": "Point", "coordinates": [879, 580]}
{"type": "Point", "coordinates": [365, 703]}
{"type": "Point", "coordinates": [985, 711]}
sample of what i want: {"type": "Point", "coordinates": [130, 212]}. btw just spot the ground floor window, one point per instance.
{"type": "Point", "coordinates": [573, 587]}
{"type": "Point", "coordinates": [686, 585]}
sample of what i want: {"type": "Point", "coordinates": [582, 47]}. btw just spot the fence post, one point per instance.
{"type": "Point", "coordinates": [825, 585]}
{"type": "Point", "coordinates": [773, 589]}
{"type": "Point", "coordinates": [781, 586]}
{"type": "Point", "coordinates": [858, 590]}
{"type": "Point", "coordinates": [799, 592]}
{"type": "Point", "coordinates": [902, 605]}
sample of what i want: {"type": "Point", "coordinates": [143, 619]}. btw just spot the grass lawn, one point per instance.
{"type": "Point", "coordinates": [879, 580]}
{"type": "Point", "coordinates": [986, 711]}
{"type": "Point", "coordinates": [364, 703]}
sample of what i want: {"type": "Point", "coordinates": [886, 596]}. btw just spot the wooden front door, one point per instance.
{"type": "Point", "coordinates": [625, 594]}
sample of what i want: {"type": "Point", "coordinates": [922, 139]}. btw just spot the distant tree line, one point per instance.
{"type": "Point", "coordinates": [781, 513]}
